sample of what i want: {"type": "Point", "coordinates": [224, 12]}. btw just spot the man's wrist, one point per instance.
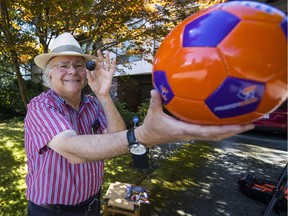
{"type": "Point", "coordinates": [104, 98]}
{"type": "Point", "coordinates": [134, 146]}
{"type": "Point", "coordinates": [138, 135]}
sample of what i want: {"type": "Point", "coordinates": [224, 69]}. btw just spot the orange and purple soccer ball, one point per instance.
{"type": "Point", "coordinates": [224, 65]}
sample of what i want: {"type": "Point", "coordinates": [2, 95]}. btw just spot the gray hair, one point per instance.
{"type": "Point", "coordinates": [46, 78]}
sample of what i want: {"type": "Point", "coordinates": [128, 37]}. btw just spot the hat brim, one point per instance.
{"type": "Point", "coordinates": [42, 59]}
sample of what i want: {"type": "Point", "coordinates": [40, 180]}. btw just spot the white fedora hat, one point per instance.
{"type": "Point", "coordinates": [64, 45]}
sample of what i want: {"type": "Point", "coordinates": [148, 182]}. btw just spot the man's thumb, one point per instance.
{"type": "Point", "coordinates": [155, 101]}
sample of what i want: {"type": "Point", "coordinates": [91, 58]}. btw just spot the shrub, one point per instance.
{"type": "Point", "coordinates": [125, 113]}
{"type": "Point", "coordinates": [11, 101]}
{"type": "Point", "coordinates": [142, 110]}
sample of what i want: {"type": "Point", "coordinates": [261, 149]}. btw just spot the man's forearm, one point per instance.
{"type": "Point", "coordinates": [85, 148]}
{"type": "Point", "coordinates": [114, 120]}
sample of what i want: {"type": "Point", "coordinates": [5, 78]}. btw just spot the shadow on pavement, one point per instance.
{"type": "Point", "coordinates": [201, 178]}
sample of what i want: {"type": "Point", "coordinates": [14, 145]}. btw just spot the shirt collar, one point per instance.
{"type": "Point", "coordinates": [84, 98]}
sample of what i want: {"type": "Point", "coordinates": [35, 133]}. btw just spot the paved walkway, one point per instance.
{"type": "Point", "coordinates": [216, 191]}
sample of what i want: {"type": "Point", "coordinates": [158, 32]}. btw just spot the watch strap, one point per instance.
{"type": "Point", "coordinates": [131, 137]}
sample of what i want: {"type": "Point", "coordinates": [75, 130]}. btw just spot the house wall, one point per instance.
{"type": "Point", "coordinates": [133, 90]}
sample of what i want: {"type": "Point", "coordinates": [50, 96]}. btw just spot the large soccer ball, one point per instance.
{"type": "Point", "coordinates": [224, 65]}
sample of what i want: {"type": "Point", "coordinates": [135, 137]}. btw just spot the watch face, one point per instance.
{"type": "Point", "coordinates": [138, 149]}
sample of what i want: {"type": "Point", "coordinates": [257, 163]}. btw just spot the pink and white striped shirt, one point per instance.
{"type": "Point", "coordinates": [51, 179]}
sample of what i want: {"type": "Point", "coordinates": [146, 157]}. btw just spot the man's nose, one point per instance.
{"type": "Point", "coordinates": [72, 69]}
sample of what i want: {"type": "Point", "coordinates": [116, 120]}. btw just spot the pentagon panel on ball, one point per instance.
{"type": "Point", "coordinates": [224, 65]}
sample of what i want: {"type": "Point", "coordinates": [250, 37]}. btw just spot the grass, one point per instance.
{"type": "Point", "coordinates": [12, 168]}
{"type": "Point", "coordinates": [164, 183]}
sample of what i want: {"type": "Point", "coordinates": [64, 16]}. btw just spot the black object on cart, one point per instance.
{"type": "Point", "coordinates": [140, 161]}
{"type": "Point", "coordinates": [274, 194]}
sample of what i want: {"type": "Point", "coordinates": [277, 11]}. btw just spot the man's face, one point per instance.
{"type": "Point", "coordinates": [68, 74]}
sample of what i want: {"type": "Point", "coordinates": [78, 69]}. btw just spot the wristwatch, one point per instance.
{"type": "Point", "coordinates": [135, 147]}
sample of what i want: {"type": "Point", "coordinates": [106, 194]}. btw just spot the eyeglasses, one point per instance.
{"type": "Point", "coordinates": [64, 67]}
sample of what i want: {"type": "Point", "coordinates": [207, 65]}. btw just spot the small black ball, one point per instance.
{"type": "Point", "coordinates": [90, 65]}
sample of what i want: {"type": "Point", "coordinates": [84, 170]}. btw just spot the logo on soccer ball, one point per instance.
{"type": "Point", "coordinates": [235, 96]}
{"type": "Point", "coordinates": [162, 85]}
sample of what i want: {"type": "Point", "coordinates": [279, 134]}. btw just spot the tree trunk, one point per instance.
{"type": "Point", "coordinates": [5, 27]}
{"type": "Point", "coordinates": [21, 82]}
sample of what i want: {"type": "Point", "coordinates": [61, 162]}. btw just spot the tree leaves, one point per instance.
{"type": "Point", "coordinates": [28, 27]}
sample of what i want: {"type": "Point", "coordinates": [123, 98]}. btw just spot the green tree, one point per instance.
{"type": "Point", "coordinates": [27, 27]}
{"type": "Point", "coordinates": [16, 44]}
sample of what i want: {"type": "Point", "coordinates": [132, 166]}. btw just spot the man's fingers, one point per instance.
{"type": "Point", "coordinates": [89, 75]}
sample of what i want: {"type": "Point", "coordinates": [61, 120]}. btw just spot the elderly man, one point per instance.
{"type": "Point", "coordinates": [68, 134]}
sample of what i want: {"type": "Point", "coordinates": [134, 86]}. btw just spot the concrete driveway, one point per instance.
{"type": "Point", "coordinates": [216, 191]}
